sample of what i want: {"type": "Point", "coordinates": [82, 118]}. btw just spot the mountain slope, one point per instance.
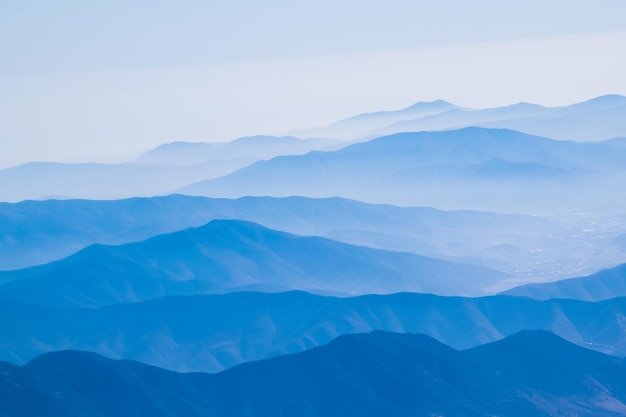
{"type": "Point", "coordinates": [213, 332]}
{"type": "Point", "coordinates": [602, 285]}
{"type": "Point", "coordinates": [227, 255]}
{"type": "Point", "coordinates": [359, 375]}
{"type": "Point", "coordinates": [557, 377]}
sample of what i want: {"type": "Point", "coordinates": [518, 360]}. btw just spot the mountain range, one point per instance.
{"type": "Point", "coordinates": [363, 125]}
{"type": "Point", "coordinates": [155, 172]}
{"type": "Point", "coordinates": [231, 255]}
{"type": "Point", "coordinates": [178, 165]}
{"type": "Point", "coordinates": [484, 169]}
{"type": "Point", "coordinates": [38, 232]}
{"type": "Point", "coordinates": [213, 332]}
{"type": "Point", "coordinates": [341, 270]}
{"type": "Point", "coordinates": [599, 118]}
{"type": "Point", "coordinates": [531, 373]}
{"type": "Point", "coordinates": [46, 180]}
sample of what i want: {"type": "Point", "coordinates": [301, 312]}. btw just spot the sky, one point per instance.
{"type": "Point", "coordinates": [104, 81]}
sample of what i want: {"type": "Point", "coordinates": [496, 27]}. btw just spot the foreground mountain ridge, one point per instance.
{"type": "Point", "coordinates": [359, 375]}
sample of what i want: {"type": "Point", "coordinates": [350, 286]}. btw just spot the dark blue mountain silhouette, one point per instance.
{"type": "Point", "coordinates": [532, 373]}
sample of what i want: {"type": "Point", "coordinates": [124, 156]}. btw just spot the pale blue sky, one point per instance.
{"type": "Point", "coordinates": [84, 80]}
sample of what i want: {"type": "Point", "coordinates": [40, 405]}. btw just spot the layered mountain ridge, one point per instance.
{"type": "Point", "coordinates": [327, 274]}
{"type": "Point", "coordinates": [430, 169]}
{"type": "Point", "coordinates": [231, 255]}
{"type": "Point", "coordinates": [212, 332]}
{"type": "Point", "coordinates": [596, 119]}
{"type": "Point", "coordinates": [365, 374]}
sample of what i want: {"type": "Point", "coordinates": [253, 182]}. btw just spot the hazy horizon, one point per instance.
{"type": "Point", "coordinates": [106, 82]}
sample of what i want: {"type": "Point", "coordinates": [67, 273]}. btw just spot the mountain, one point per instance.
{"type": "Point", "coordinates": [229, 255]}
{"type": "Point", "coordinates": [597, 119]}
{"type": "Point", "coordinates": [156, 172]}
{"type": "Point", "coordinates": [358, 375]}
{"type": "Point", "coordinates": [42, 180]}
{"type": "Point", "coordinates": [430, 168]}
{"type": "Point", "coordinates": [213, 332]}
{"type": "Point", "coordinates": [458, 118]}
{"type": "Point", "coordinates": [555, 376]}
{"type": "Point", "coordinates": [603, 285]}
{"type": "Point", "coordinates": [251, 147]}
{"type": "Point", "coordinates": [37, 232]}
{"type": "Point", "coordinates": [361, 125]}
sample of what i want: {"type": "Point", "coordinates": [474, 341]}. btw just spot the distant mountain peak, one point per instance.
{"type": "Point", "coordinates": [431, 105]}
{"type": "Point", "coordinates": [610, 98]}
{"type": "Point", "coordinates": [524, 105]}
{"type": "Point", "coordinates": [539, 337]}
{"type": "Point", "coordinates": [607, 101]}
{"type": "Point", "coordinates": [227, 255]}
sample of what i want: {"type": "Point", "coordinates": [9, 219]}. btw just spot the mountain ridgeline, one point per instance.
{"type": "Point", "coordinates": [234, 255]}
{"type": "Point", "coordinates": [477, 168]}
{"type": "Point", "coordinates": [37, 232]}
{"type": "Point", "coordinates": [213, 332]}
{"type": "Point", "coordinates": [596, 119]}
{"type": "Point", "coordinates": [156, 172]}
{"type": "Point", "coordinates": [531, 373]}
